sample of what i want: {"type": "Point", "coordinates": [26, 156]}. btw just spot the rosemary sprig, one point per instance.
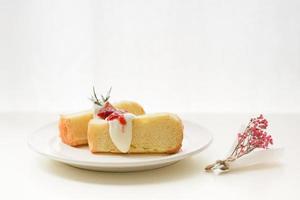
{"type": "Point", "coordinates": [97, 101]}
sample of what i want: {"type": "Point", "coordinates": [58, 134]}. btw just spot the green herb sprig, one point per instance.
{"type": "Point", "coordinates": [103, 99]}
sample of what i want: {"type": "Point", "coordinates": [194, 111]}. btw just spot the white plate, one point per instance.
{"type": "Point", "coordinates": [46, 142]}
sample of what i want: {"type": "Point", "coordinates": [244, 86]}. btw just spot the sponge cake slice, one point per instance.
{"type": "Point", "coordinates": [151, 133]}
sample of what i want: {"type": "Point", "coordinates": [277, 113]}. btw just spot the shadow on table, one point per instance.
{"type": "Point", "coordinates": [180, 170]}
{"type": "Point", "coordinates": [259, 167]}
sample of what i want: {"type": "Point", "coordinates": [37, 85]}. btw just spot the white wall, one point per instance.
{"type": "Point", "coordinates": [201, 55]}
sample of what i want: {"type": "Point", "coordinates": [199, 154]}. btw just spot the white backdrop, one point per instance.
{"type": "Point", "coordinates": [180, 56]}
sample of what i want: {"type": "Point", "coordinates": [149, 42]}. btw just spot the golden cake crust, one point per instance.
{"type": "Point", "coordinates": [72, 132]}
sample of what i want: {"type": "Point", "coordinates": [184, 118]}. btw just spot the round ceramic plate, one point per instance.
{"type": "Point", "coordinates": [46, 142]}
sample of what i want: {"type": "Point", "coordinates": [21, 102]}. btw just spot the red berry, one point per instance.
{"type": "Point", "coordinates": [106, 110]}
{"type": "Point", "coordinates": [122, 120]}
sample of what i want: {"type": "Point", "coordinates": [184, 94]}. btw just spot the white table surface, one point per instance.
{"type": "Point", "coordinates": [25, 174]}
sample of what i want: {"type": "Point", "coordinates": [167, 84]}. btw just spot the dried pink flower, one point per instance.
{"type": "Point", "coordinates": [253, 137]}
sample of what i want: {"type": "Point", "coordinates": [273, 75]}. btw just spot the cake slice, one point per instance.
{"type": "Point", "coordinates": [73, 127]}
{"type": "Point", "coordinates": [151, 133]}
